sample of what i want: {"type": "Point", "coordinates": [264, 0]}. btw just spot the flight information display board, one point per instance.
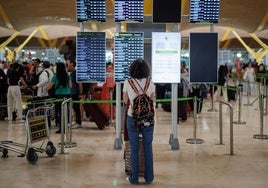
{"type": "Point", "coordinates": [90, 56]}
{"type": "Point", "coordinates": [87, 10]}
{"type": "Point", "coordinates": [127, 48]}
{"type": "Point", "coordinates": [166, 11]}
{"type": "Point", "coordinates": [128, 10]}
{"type": "Point", "coordinates": [206, 11]}
{"type": "Point", "coordinates": [166, 53]}
{"type": "Point", "coordinates": [203, 57]}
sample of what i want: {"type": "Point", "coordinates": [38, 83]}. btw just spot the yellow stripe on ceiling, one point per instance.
{"type": "Point", "coordinates": [148, 6]}
{"type": "Point", "coordinates": [183, 4]}
{"type": "Point", "coordinates": [27, 40]}
{"type": "Point", "coordinates": [42, 43]}
{"type": "Point", "coordinates": [226, 43]}
{"type": "Point", "coordinates": [53, 43]}
{"type": "Point", "coordinates": [244, 44]}
{"type": "Point", "coordinates": [64, 41]}
{"type": "Point", "coordinates": [5, 18]}
{"type": "Point", "coordinates": [226, 34]}
{"type": "Point", "coordinates": [259, 56]}
{"type": "Point", "coordinates": [43, 32]}
{"type": "Point", "coordinates": [259, 41]}
{"type": "Point", "coordinates": [4, 44]}
{"type": "Point", "coordinates": [263, 22]}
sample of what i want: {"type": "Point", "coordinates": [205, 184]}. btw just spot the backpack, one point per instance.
{"type": "Point", "coordinates": [51, 92]}
{"type": "Point", "coordinates": [143, 109]}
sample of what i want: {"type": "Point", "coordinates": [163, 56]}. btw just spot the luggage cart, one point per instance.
{"type": "Point", "coordinates": [37, 130]}
{"type": "Point", "coordinates": [35, 102]}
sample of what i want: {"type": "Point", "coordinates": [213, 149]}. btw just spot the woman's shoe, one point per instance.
{"type": "Point", "coordinates": [58, 131]}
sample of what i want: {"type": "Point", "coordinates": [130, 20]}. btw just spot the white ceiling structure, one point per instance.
{"type": "Point", "coordinates": [51, 22]}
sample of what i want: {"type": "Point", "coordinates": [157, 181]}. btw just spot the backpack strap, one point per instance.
{"type": "Point", "coordinates": [145, 87]}
{"type": "Point", "coordinates": [143, 90]}
{"type": "Point", "coordinates": [131, 83]}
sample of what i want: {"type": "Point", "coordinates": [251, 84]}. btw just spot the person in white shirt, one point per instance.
{"type": "Point", "coordinates": [139, 71]}
{"type": "Point", "coordinates": [44, 79]}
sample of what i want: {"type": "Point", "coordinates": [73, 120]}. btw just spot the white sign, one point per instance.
{"type": "Point", "coordinates": [166, 63]}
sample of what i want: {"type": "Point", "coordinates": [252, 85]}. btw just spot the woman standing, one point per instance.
{"type": "Point", "coordinates": [140, 72]}
{"type": "Point", "coordinates": [14, 75]}
{"type": "Point", "coordinates": [62, 83]}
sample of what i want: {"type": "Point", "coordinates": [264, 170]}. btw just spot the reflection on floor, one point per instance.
{"type": "Point", "coordinates": [95, 163]}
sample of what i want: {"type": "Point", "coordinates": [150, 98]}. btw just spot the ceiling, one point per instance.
{"type": "Point", "coordinates": [55, 21]}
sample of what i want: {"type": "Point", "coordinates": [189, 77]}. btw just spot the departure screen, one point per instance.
{"type": "Point", "coordinates": [204, 11]}
{"type": "Point", "coordinates": [87, 10]}
{"type": "Point", "coordinates": [166, 48]}
{"type": "Point", "coordinates": [90, 56]}
{"type": "Point", "coordinates": [127, 48]}
{"type": "Point", "coordinates": [128, 10]}
{"type": "Point", "coordinates": [166, 11]}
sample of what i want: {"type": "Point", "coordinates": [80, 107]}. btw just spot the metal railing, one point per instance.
{"type": "Point", "coordinates": [231, 124]}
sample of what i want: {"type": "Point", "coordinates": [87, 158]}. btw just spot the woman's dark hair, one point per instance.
{"type": "Point", "coordinates": [46, 64]}
{"type": "Point", "coordinates": [139, 69]}
{"type": "Point", "coordinates": [61, 74]}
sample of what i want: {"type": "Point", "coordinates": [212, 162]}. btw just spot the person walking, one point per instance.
{"type": "Point", "coordinates": [250, 77]}
{"type": "Point", "coordinates": [140, 72]}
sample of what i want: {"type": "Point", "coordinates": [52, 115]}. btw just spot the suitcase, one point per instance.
{"type": "Point", "coordinates": [127, 158]}
{"type": "Point", "coordinates": [231, 93]}
{"type": "Point", "coordinates": [3, 106]}
{"type": "Point", "coordinates": [98, 116]}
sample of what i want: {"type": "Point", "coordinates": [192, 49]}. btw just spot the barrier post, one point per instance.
{"type": "Point", "coordinates": [174, 109]}
{"type": "Point", "coordinates": [239, 105]}
{"type": "Point", "coordinates": [266, 102]}
{"type": "Point", "coordinates": [212, 101]}
{"type": "Point", "coordinates": [194, 140]}
{"type": "Point", "coordinates": [261, 135]}
{"type": "Point", "coordinates": [66, 125]}
{"type": "Point", "coordinates": [118, 139]}
{"type": "Point", "coordinates": [231, 125]}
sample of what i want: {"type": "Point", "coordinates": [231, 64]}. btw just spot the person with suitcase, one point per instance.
{"type": "Point", "coordinates": [140, 87]}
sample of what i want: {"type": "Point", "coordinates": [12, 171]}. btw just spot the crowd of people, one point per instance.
{"type": "Point", "coordinates": [43, 80]}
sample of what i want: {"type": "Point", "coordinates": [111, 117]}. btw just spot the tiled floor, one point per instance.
{"type": "Point", "coordinates": [95, 163]}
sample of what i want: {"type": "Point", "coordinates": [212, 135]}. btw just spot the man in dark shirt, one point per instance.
{"type": "Point", "coordinates": [76, 92]}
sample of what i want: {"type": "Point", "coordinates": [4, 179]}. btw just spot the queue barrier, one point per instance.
{"type": "Point", "coordinates": [66, 125]}
{"type": "Point", "coordinates": [194, 140]}
{"type": "Point", "coordinates": [261, 103]}
{"type": "Point", "coordinates": [221, 102]}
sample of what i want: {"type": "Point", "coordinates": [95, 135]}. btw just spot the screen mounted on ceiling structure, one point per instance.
{"type": "Point", "coordinates": [204, 11]}
{"type": "Point", "coordinates": [166, 11]}
{"type": "Point", "coordinates": [91, 10]}
{"type": "Point", "coordinates": [128, 10]}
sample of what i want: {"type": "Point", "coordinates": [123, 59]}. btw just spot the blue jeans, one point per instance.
{"type": "Point", "coordinates": [147, 135]}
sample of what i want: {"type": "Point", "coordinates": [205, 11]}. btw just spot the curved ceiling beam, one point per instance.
{"type": "Point", "coordinates": [253, 35]}
{"type": "Point", "coordinates": [5, 18]}
{"type": "Point", "coordinates": [43, 32]}
{"type": "Point", "coordinates": [263, 22]}
{"type": "Point", "coordinates": [4, 44]}
{"type": "Point", "coordinates": [26, 41]}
